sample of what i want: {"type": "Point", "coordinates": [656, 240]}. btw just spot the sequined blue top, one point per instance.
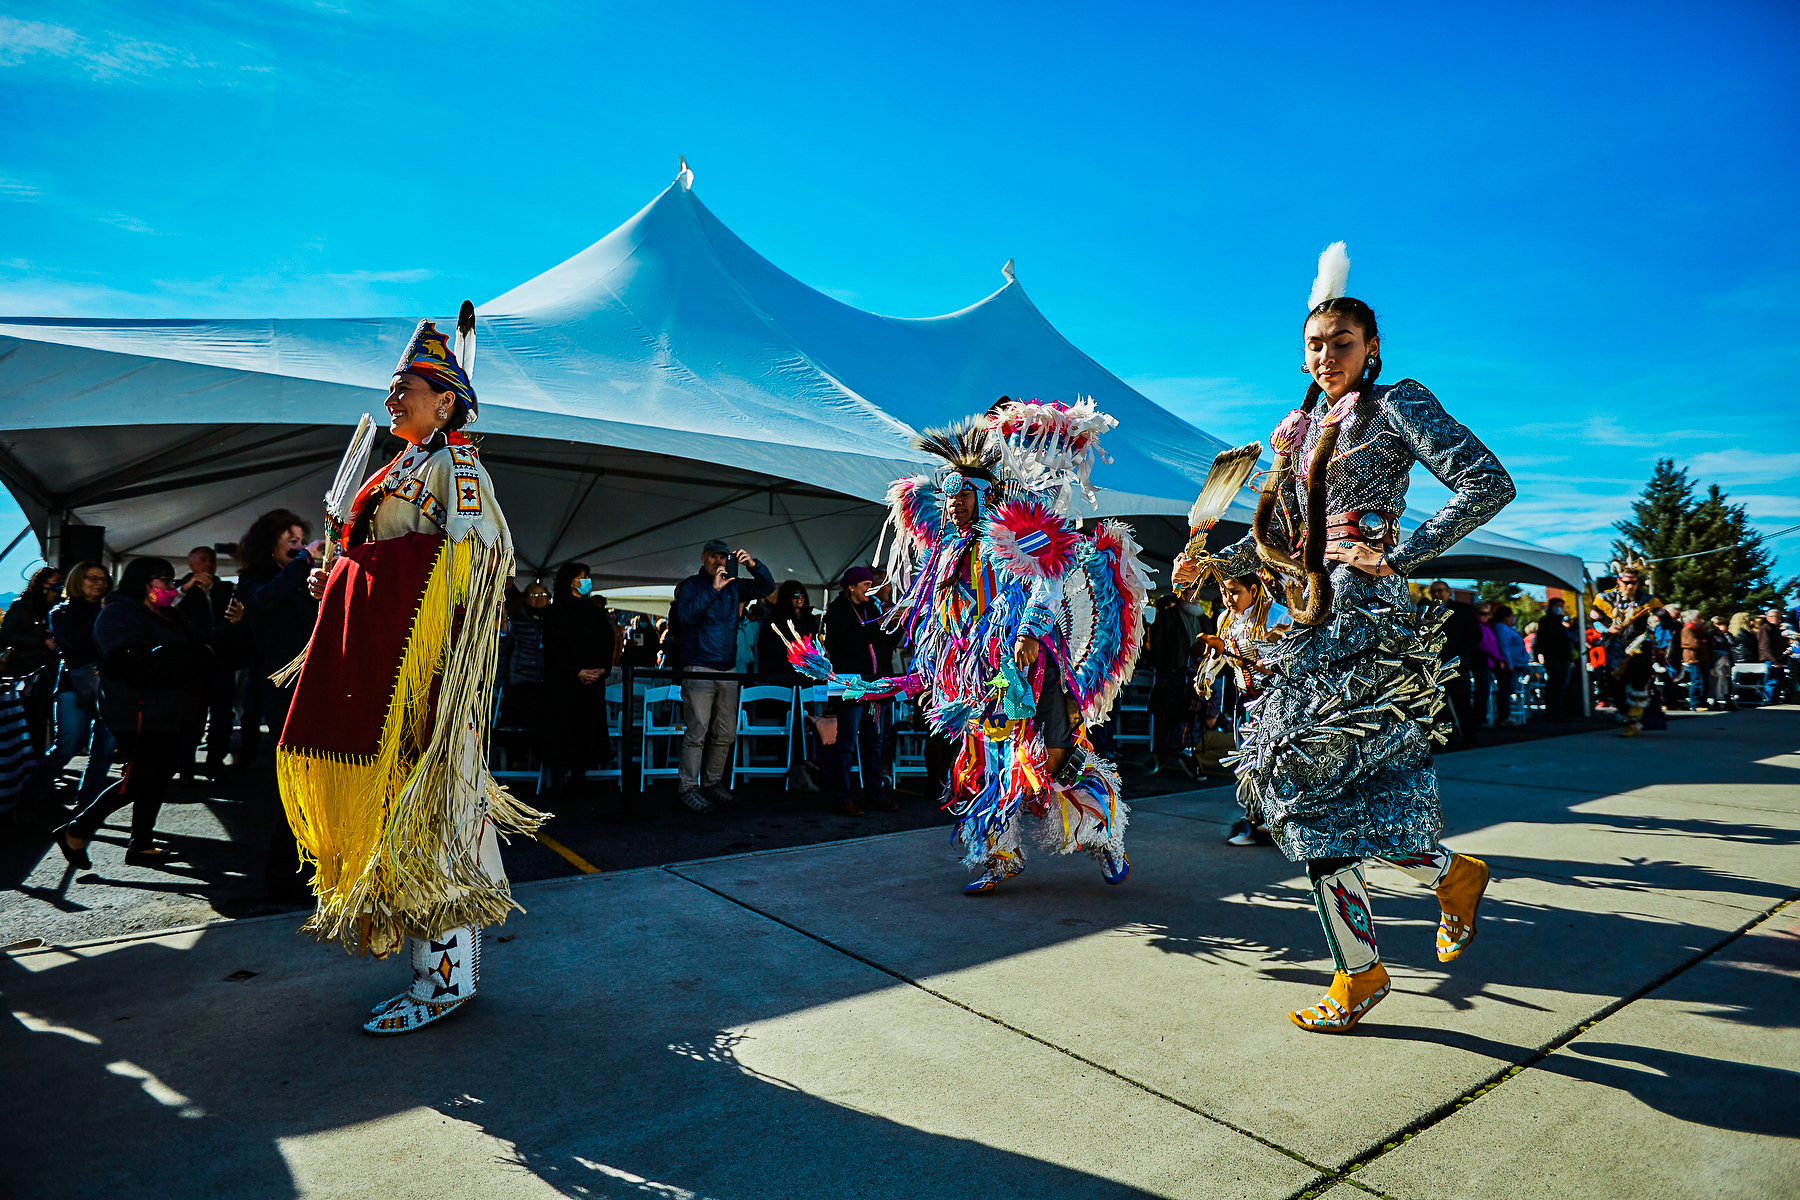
{"type": "Point", "coordinates": [1397, 425]}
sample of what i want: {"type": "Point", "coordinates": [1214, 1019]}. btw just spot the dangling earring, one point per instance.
{"type": "Point", "coordinates": [1368, 362]}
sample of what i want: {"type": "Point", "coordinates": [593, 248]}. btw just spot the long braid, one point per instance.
{"type": "Point", "coordinates": [1310, 596]}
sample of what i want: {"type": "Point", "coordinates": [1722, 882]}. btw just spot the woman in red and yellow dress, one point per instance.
{"type": "Point", "coordinates": [383, 764]}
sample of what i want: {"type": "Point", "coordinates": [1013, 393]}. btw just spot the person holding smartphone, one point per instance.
{"type": "Point", "coordinates": [706, 607]}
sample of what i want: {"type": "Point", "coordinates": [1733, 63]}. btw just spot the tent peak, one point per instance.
{"type": "Point", "coordinates": [685, 176]}
{"type": "Point", "coordinates": [1007, 271]}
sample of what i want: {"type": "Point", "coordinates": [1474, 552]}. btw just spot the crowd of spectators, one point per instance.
{"type": "Point", "coordinates": [161, 671]}
{"type": "Point", "coordinates": [1696, 655]}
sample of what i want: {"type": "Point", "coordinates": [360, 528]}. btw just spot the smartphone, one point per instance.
{"type": "Point", "coordinates": [731, 568]}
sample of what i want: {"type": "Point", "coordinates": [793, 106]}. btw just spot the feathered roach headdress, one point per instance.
{"type": "Point", "coordinates": [1633, 564]}
{"type": "Point", "coordinates": [428, 355]}
{"type": "Point", "coordinates": [1050, 447]}
{"type": "Point", "coordinates": [967, 450]}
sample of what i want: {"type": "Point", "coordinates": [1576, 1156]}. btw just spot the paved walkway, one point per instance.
{"type": "Point", "coordinates": [838, 1020]}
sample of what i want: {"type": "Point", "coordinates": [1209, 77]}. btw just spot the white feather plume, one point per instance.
{"type": "Point", "coordinates": [1333, 279]}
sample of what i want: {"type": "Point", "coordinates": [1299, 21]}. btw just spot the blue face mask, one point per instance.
{"type": "Point", "coordinates": [584, 585]}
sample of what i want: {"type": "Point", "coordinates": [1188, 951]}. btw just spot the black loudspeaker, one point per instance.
{"type": "Point", "coordinates": [80, 543]}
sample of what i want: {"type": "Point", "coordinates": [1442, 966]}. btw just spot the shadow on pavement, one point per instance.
{"type": "Point", "coordinates": [614, 1068]}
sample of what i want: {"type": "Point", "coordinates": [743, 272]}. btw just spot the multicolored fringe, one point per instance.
{"type": "Point", "coordinates": [808, 658]}
{"type": "Point", "coordinates": [1001, 775]}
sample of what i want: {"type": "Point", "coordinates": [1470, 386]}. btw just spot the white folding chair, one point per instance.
{"type": "Point", "coordinates": [615, 722]}
{"type": "Point", "coordinates": [765, 742]}
{"type": "Point", "coordinates": [663, 720]}
{"type": "Point", "coordinates": [501, 750]}
{"type": "Point", "coordinates": [1132, 726]}
{"type": "Point", "coordinates": [909, 738]}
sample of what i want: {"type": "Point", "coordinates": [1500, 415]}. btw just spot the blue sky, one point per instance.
{"type": "Point", "coordinates": [1577, 222]}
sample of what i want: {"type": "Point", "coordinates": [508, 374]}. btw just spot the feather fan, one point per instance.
{"type": "Point", "coordinates": [1230, 471]}
{"type": "Point", "coordinates": [351, 469]}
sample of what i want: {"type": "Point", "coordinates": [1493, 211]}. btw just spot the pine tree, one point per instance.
{"type": "Point", "coordinates": [1706, 581]}
{"type": "Point", "coordinates": [1657, 527]}
{"type": "Point", "coordinates": [1497, 591]}
{"type": "Point", "coordinates": [1729, 570]}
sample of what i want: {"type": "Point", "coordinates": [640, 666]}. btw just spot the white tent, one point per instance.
{"type": "Point", "coordinates": [665, 386]}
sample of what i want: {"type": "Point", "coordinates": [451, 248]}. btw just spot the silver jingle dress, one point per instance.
{"type": "Point", "coordinates": [1336, 754]}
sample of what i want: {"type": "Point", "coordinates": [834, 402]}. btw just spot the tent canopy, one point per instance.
{"type": "Point", "coordinates": [665, 386]}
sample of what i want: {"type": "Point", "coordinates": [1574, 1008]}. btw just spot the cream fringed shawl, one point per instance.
{"type": "Point", "coordinates": [383, 764]}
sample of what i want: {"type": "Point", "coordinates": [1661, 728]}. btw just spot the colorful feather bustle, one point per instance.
{"type": "Point", "coordinates": [1119, 588]}
{"type": "Point", "coordinates": [1032, 540]}
{"type": "Point", "coordinates": [916, 520]}
{"type": "Point", "coordinates": [1049, 449]}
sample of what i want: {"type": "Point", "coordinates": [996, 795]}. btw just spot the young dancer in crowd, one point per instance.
{"type": "Point", "coordinates": [1337, 751]}
{"type": "Point", "coordinates": [1253, 619]}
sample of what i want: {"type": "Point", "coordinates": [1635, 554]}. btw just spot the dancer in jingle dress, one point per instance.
{"type": "Point", "coordinates": [1336, 755]}
{"type": "Point", "coordinates": [383, 764]}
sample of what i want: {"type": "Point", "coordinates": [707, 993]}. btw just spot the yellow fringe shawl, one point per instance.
{"type": "Point", "coordinates": [395, 837]}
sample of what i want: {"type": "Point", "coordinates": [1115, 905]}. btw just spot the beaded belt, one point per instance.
{"type": "Point", "coordinates": [1374, 528]}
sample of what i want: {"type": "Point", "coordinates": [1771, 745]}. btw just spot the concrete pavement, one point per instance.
{"type": "Point", "coordinates": [840, 1020]}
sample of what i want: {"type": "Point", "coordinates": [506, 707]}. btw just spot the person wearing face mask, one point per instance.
{"type": "Point", "coordinates": [1555, 648]}
{"type": "Point", "coordinates": [578, 653]}
{"type": "Point", "coordinates": [383, 759]}
{"type": "Point", "coordinates": [153, 668]}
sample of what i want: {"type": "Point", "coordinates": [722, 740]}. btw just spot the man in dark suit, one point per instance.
{"type": "Point", "coordinates": [1462, 641]}
{"type": "Point", "coordinates": [1555, 648]}
{"type": "Point", "coordinates": [205, 605]}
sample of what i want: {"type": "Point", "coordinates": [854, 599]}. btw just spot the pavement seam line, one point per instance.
{"type": "Point", "coordinates": [1327, 1175]}
{"type": "Point", "coordinates": [1394, 1141]}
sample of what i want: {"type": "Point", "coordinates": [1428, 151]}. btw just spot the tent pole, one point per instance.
{"type": "Point", "coordinates": [574, 511]}
{"type": "Point", "coordinates": [16, 540]}
{"type": "Point", "coordinates": [1581, 617]}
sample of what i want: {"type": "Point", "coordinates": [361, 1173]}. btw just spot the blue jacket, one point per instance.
{"type": "Point", "coordinates": [709, 616]}
{"type": "Point", "coordinates": [1512, 646]}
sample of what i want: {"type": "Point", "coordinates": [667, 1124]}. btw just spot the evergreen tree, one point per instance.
{"type": "Point", "coordinates": [1729, 570]}
{"type": "Point", "coordinates": [1657, 527]}
{"type": "Point", "coordinates": [1497, 591]}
